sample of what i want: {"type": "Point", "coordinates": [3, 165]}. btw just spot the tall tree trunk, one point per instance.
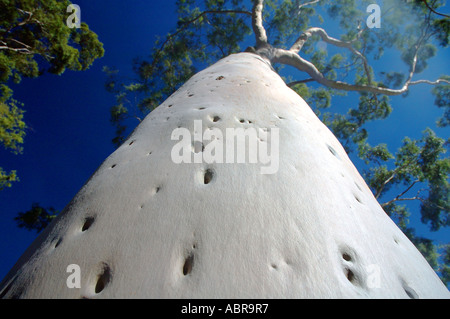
{"type": "Point", "coordinates": [147, 226]}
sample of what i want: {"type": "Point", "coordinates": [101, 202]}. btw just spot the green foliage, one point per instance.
{"type": "Point", "coordinates": [421, 167]}
{"type": "Point", "coordinates": [12, 132]}
{"type": "Point", "coordinates": [284, 20]}
{"type": "Point", "coordinates": [445, 265]}
{"type": "Point", "coordinates": [12, 126]}
{"type": "Point", "coordinates": [442, 29]}
{"type": "Point", "coordinates": [6, 179]}
{"type": "Point", "coordinates": [420, 173]}
{"type": "Point", "coordinates": [34, 38]}
{"type": "Point", "coordinates": [37, 218]}
{"type": "Point", "coordinates": [30, 29]}
{"type": "Point", "coordinates": [442, 100]}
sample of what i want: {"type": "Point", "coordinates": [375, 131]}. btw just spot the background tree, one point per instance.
{"type": "Point", "coordinates": [34, 38]}
{"type": "Point", "coordinates": [37, 218]}
{"type": "Point", "coordinates": [287, 33]}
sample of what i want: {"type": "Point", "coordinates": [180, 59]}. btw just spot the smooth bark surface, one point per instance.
{"type": "Point", "coordinates": [146, 227]}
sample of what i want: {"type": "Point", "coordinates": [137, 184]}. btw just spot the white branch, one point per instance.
{"type": "Point", "coordinates": [326, 38]}
{"type": "Point", "coordinates": [429, 82]}
{"type": "Point", "coordinates": [306, 4]}
{"type": "Point", "coordinates": [258, 28]}
{"type": "Point", "coordinates": [20, 50]}
{"type": "Point", "coordinates": [291, 58]}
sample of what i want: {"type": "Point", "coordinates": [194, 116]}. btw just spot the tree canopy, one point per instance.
{"type": "Point", "coordinates": [34, 38]}
{"type": "Point", "coordinates": [333, 60]}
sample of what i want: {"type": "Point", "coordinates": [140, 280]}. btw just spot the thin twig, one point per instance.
{"type": "Point", "coordinates": [187, 23]}
{"type": "Point", "coordinates": [306, 4]}
{"type": "Point", "coordinates": [434, 11]}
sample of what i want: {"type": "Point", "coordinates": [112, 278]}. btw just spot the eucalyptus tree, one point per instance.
{"type": "Point", "coordinates": [357, 35]}
{"type": "Point", "coordinates": [151, 223]}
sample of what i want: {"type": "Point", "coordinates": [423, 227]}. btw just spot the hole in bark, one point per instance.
{"type": "Point", "coordinates": [201, 108]}
{"type": "Point", "coordinates": [346, 257]}
{"type": "Point", "coordinates": [216, 118]}
{"type": "Point", "coordinates": [87, 223]}
{"type": "Point", "coordinates": [113, 165]}
{"type": "Point", "coordinates": [170, 105]}
{"type": "Point", "coordinates": [220, 78]}
{"type": "Point", "coordinates": [350, 275]}
{"type": "Point", "coordinates": [131, 143]}
{"type": "Point", "coordinates": [333, 151]}
{"type": "Point", "coordinates": [198, 147]}
{"type": "Point", "coordinates": [411, 293]}
{"type": "Point", "coordinates": [191, 95]}
{"type": "Point", "coordinates": [358, 199]}
{"type": "Point", "coordinates": [208, 176]}
{"type": "Point", "coordinates": [188, 263]}
{"type": "Point", "coordinates": [103, 279]}
{"type": "Point", "coordinates": [58, 242]}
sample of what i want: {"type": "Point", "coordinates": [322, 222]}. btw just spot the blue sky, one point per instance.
{"type": "Point", "coordinates": [70, 134]}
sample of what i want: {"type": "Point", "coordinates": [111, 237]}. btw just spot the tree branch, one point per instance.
{"type": "Point", "coordinates": [423, 200]}
{"type": "Point", "coordinates": [30, 14]}
{"type": "Point", "coordinates": [187, 23]}
{"type": "Point", "coordinates": [409, 187]}
{"type": "Point", "coordinates": [20, 50]}
{"type": "Point", "coordinates": [298, 45]}
{"type": "Point", "coordinates": [401, 199]}
{"type": "Point", "coordinates": [258, 28]}
{"type": "Point", "coordinates": [306, 4]}
{"type": "Point", "coordinates": [384, 185]}
{"type": "Point", "coordinates": [429, 82]}
{"type": "Point", "coordinates": [25, 48]}
{"type": "Point", "coordinates": [294, 83]}
{"type": "Point", "coordinates": [434, 11]}
{"type": "Point", "coordinates": [328, 68]}
{"type": "Point", "coordinates": [291, 58]}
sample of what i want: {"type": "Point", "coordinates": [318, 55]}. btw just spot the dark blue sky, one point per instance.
{"type": "Point", "coordinates": [68, 117]}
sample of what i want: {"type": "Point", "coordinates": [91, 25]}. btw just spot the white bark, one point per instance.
{"type": "Point", "coordinates": [156, 230]}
